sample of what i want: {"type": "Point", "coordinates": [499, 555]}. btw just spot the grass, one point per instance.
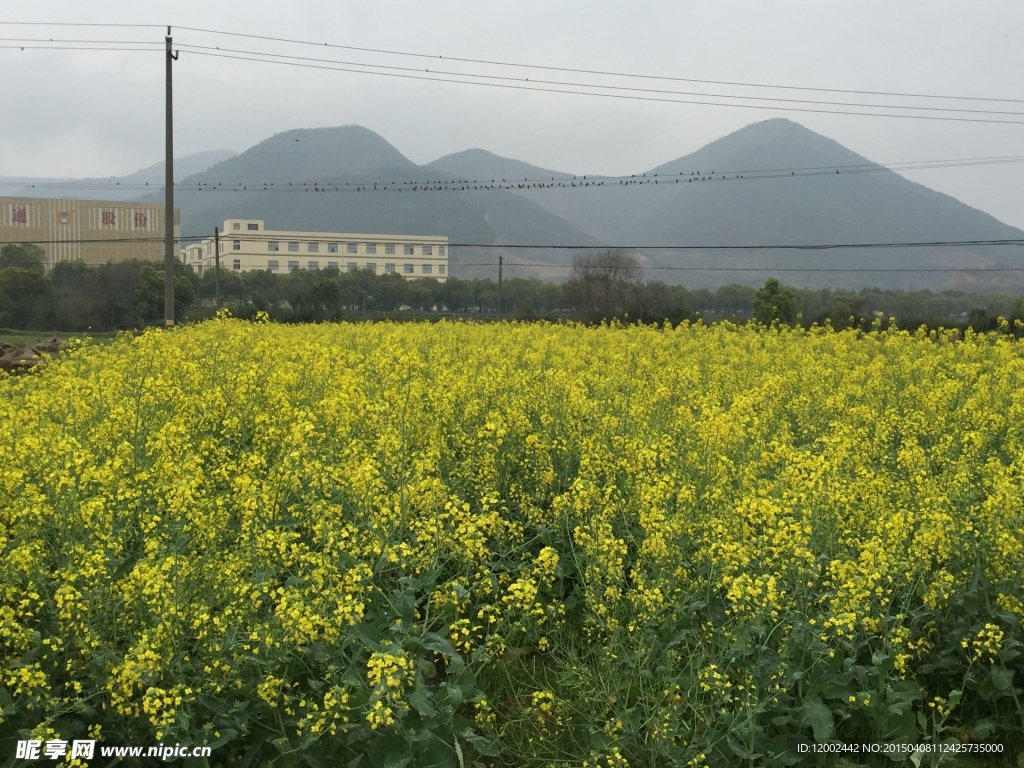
{"type": "Point", "coordinates": [31, 337]}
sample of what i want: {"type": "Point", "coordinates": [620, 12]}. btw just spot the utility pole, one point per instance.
{"type": "Point", "coordinates": [216, 256]}
{"type": "Point", "coordinates": [499, 289]}
{"type": "Point", "coordinates": [169, 256]}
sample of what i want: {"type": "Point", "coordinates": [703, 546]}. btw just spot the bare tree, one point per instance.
{"type": "Point", "coordinates": [598, 282]}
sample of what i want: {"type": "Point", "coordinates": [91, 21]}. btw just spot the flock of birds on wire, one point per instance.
{"type": "Point", "coordinates": [467, 185]}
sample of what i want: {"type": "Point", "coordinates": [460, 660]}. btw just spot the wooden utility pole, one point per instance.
{"type": "Point", "coordinates": [499, 288]}
{"type": "Point", "coordinates": [169, 256]}
{"type": "Point", "coordinates": [216, 256]}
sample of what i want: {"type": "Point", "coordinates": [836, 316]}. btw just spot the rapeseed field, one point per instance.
{"type": "Point", "coordinates": [517, 545]}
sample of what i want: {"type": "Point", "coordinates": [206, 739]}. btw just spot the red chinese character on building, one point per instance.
{"type": "Point", "coordinates": [109, 218]}
{"type": "Point", "coordinates": [19, 216]}
{"type": "Point", "coordinates": [141, 219]}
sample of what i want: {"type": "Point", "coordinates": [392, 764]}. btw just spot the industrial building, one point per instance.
{"type": "Point", "coordinates": [93, 231]}
{"type": "Point", "coordinates": [246, 244]}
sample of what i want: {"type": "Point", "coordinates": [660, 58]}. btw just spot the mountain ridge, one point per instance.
{"type": "Point", "coordinates": [717, 197]}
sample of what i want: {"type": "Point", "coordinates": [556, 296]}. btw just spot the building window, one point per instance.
{"type": "Point", "coordinates": [440, 269]}
{"type": "Point", "coordinates": [389, 268]}
{"type": "Point", "coordinates": [332, 265]}
{"type": "Point", "coordinates": [408, 269]}
{"type": "Point", "coordinates": [351, 247]}
{"type": "Point", "coordinates": [371, 247]}
{"type": "Point", "coordinates": [252, 227]}
{"type": "Point", "coordinates": [408, 250]}
{"type": "Point", "coordinates": [292, 266]}
{"type": "Point", "coordinates": [313, 265]}
{"type": "Point", "coordinates": [389, 248]}
{"type": "Point", "coordinates": [428, 250]}
{"type": "Point", "coordinates": [372, 266]}
{"type": "Point", "coordinates": [273, 265]}
{"type": "Point", "coordinates": [293, 247]}
{"type": "Point", "coordinates": [236, 245]}
{"type": "Point", "coordinates": [352, 266]}
{"type": "Point", "coordinates": [440, 250]}
{"type": "Point", "coordinates": [236, 264]}
{"type": "Point", "coordinates": [273, 245]}
{"type": "Point", "coordinates": [313, 247]}
{"type": "Point", "coordinates": [200, 268]}
{"type": "Point", "coordinates": [236, 225]}
{"type": "Point", "coordinates": [428, 269]}
{"type": "Point", "coordinates": [332, 247]}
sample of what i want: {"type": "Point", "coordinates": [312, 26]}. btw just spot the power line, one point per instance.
{"type": "Point", "coordinates": [760, 247]}
{"type": "Point", "coordinates": [562, 181]}
{"type": "Point", "coordinates": [258, 237]}
{"type": "Point", "coordinates": [569, 91]}
{"type": "Point", "coordinates": [75, 24]}
{"type": "Point", "coordinates": [762, 269]}
{"type": "Point", "coordinates": [80, 48]}
{"type": "Point", "coordinates": [600, 72]}
{"type": "Point", "coordinates": [261, 237]}
{"type": "Point", "coordinates": [72, 40]}
{"type": "Point", "coordinates": [632, 89]}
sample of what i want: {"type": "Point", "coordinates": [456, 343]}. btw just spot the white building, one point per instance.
{"type": "Point", "coordinates": [246, 244]}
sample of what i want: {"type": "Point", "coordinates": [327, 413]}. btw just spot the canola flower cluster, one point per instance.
{"type": "Point", "coordinates": [541, 544]}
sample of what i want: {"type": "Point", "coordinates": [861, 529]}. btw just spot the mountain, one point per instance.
{"type": "Point", "coordinates": [342, 160]}
{"type": "Point", "coordinates": [773, 183]}
{"type": "Point", "coordinates": [106, 188]}
{"type": "Point", "coordinates": [790, 193]}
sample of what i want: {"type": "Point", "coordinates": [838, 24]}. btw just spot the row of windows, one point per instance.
{"type": "Point", "coordinates": [409, 269]}
{"type": "Point", "coordinates": [250, 227]}
{"type": "Point", "coordinates": [371, 248]}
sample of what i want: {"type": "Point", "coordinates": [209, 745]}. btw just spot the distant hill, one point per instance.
{"type": "Point", "coordinates": [862, 203]}
{"type": "Point", "coordinates": [345, 158]}
{"type": "Point", "coordinates": [773, 183]}
{"type": "Point", "coordinates": [105, 188]}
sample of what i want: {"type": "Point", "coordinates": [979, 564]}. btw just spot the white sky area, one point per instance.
{"type": "Point", "coordinates": [70, 113]}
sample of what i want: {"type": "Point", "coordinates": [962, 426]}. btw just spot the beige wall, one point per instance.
{"type": "Point", "coordinates": [94, 231]}
{"type": "Point", "coordinates": [245, 244]}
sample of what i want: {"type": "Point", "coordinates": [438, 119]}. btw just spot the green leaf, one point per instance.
{"type": "Point", "coordinates": [451, 695]}
{"type": "Point", "coordinates": [740, 749]}
{"type": "Point", "coordinates": [435, 642]}
{"type": "Point", "coordinates": [420, 701]}
{"type": "Point", "coordinates": [226, 735]}
{"type": "Point", "coordinates": [1002, 678]}
{"type": "Point", "coordinates": [370, 635]}
{"type": "Point", "coordinates": [954, 698]}
{"type": "Point", "coordinates": [819, 717]}
{"type": "Point", "coordinates": [396, 760]}
{"type": "Point", "coordinates": [983, 729]}
{"type": "Point", "coordinates": [480, 743]}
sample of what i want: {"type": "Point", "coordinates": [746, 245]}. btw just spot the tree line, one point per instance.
{"type": "Point", "coordinates": [74, 297]}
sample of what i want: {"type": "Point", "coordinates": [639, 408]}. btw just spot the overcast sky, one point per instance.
{"type": "Point", "coordinates": [97, 113]}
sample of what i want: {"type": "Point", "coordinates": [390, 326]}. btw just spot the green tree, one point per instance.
{"type": "Point", "coordinates": [24, 298]}
{"type": "Point", "coordinates": [773, 302]}
{"type": "Point", "coordinates": [149, 306]}
{"type": "Point", "coordinates": [390, 291]}
{"type": "Point", "coordinates": [22, 256]}
{"type": "Point", "coordinates": [598, 282]}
